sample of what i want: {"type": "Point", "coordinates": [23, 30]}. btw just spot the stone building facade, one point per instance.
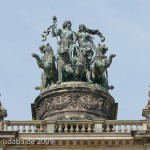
{"type": "Point", "coordinates": [74, 109]}
{"type": "Point", "coordinates": [79, 133]}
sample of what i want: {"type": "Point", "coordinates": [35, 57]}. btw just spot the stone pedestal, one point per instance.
{"type": "Point", "coordinates": [74, 101]}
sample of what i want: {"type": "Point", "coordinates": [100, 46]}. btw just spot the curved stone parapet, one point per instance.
{"type": "Point", "coordinates": [74, 101]}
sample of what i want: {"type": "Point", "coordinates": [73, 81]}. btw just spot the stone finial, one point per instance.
{"type": "Point", "coordinates": [3, 112]}
{"type": "Point", "coordinates": [146, 112]}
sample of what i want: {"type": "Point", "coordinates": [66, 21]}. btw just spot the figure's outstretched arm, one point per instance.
{"type": "Point", "coordinates": [55, 33]}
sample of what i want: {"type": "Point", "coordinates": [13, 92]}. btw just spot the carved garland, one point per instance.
{"type": "Point", "coordinates": [74, 101]}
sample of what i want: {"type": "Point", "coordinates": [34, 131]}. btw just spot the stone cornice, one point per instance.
{"type": "Point", "coordinates": [8, 134]}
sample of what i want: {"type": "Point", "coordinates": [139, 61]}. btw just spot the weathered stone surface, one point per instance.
{"type": "Point", "coordinates": [146, 112]}
{"type": "Point", "coordinates": [77, 102]}
{"type": "Point", "coordinates": [43, 141]}
{"type": "Point", "coordinates": [3, 112]}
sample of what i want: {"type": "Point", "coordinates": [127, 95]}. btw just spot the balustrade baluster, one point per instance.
{"type": "Point", "coordinates": [23, 128]}
{"type": "Point", "coordinates": [71, 129]}
{"type": "Point", "coordinates": [119, 128]}
{"type": "Point", "coordinates": [35, 128]}
{"type": "Point", "coordinates": [83, 128]}
{"type": "Point", "coordinates": [60, 128]}
{"type": "Point", "coordinates": [89, 128]}
{"type": "Point", "coordinates": [18, 129]}
{"type": "Point", "coordinates": [66, 128]}
{"type": "Point", "coordinates": [107, 129]}
{"type": "Point", "coordinates": [77, 128]}
{"type": "Point", "coordinates": [114, 128]}
{"type": "Point", "coordinates": [29, 128]}
{"type": "Point", "coordinates": [125, 128]}
{"type": "Point", "coordinates": [131, 128]}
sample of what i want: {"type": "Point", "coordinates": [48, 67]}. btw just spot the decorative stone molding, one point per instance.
{"type": "Point", "coordinates": [74, 101]}
{"type": "Point", "coordinates": [75, 84]}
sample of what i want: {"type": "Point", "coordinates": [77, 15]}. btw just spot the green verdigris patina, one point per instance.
{"type": "Point", "coordinates": [100, 65]}
{"type": "Point", "coordinates": [64, 62]}
{"type": "Point", "coordinates": [47, 63]}
{"type": "Point", "coordinates": [78, 58]}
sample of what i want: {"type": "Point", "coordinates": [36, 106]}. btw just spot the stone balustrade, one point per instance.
{"type": "Point", "coordinates": [124, 126]}
{"type": "Point", "coordinates": [23, 126]}
{"type": "Point", "coordinates": [97, 126]}
{"type": "Point", "coordinates": [74, 126]}
{"type": "Point", "coordinates": [117, 126]}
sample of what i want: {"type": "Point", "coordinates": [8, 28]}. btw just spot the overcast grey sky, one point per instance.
{"type": "Point", "coordinates": [125, 24]}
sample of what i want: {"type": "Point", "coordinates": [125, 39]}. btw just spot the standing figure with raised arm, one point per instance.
{"type": "Point", "coordinates": [66, 46]}
{"type": "Point", "coordinates": [67, 36]}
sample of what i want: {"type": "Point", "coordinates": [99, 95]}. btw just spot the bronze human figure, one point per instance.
{"type": "Point", "coordinates": [77, 57]}
{"type": "Point", "coordinates": [67, 40]}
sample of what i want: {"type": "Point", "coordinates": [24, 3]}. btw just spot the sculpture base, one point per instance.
{"type": "Point", "coordinates": [74, 101]}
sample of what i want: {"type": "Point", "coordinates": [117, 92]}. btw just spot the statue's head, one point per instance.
{"type": "Point", "coordinates": [67, 24]}
{"type": "Point", "coordinates": [82, 27]}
